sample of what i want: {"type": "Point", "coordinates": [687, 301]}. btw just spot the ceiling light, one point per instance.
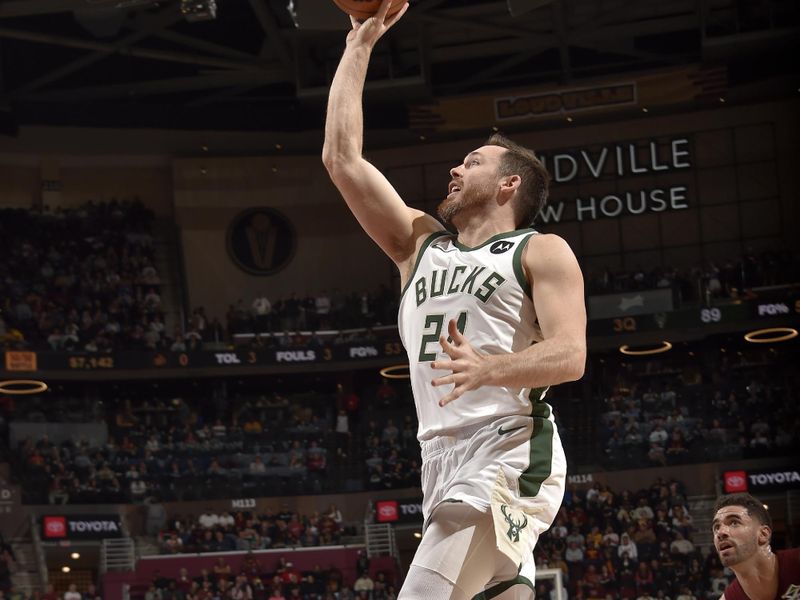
{"type": "Point", "coordinates": [75, 555]}
{"type": "Point", "coordinates": [776, 334]}
{"type": "Point", "coordinates": [65, 569]}
{"type": "Point", "coordinates": [664, 347]}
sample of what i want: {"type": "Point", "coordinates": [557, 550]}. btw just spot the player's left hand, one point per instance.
{"type": "Point", "coordinates": [470, 368]}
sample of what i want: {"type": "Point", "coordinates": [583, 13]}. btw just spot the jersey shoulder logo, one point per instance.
{"type": "Point", "coordinates": [501, 247]}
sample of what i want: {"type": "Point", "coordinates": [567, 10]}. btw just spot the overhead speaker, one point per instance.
{"type": "Point", "coordinates": [318, 15]}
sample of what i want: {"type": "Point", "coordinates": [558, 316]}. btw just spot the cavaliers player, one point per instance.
{"type": "Point", "coordinates": [742, 531]}
{"type": "Point", "coordinates": [490, 317]}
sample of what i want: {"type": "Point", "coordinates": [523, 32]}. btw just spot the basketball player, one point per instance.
{"type": "Point", "coordinates": [742, 531]}
{"type": "Point", "coordinates": [490, 317]}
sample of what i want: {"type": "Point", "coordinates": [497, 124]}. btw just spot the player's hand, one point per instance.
{"type": "Point", "coordinates": [470, 368]}
{"type": "Point", "coordinates": [371, 30]}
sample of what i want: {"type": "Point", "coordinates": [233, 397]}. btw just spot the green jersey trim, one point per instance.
{"type": "Point", "coordinates": [519, 272]}
{"type": "Point", "coordinates": [494, 238]}
{"type": "Point", "coordinates": [539, 408]}
{"type": "Point", "coordinates": [428, 241]}
{"type": "Point", "coordinates": [501, 587]}
{"type": "Point", "coordinates": [540, 463]}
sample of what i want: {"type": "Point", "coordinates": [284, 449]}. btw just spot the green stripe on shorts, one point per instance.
{"type": "Point", "coordinates": [540, 464]}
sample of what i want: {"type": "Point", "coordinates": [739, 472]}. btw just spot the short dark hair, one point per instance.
{"type": "Point", "coordinates": [755, 508]}
{"type": "Point", "coordinates": [522, 161]}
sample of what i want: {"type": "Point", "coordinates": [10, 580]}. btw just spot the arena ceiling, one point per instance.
{"type": "Point", "coordinates": [257, 66]}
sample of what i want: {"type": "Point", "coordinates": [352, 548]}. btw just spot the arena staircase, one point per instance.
{"type": "Point", "coordinates": [145, 546]}
{"type": "Point", "coordinates": [117, 554]}
{"type": "Point", "coordinates": [168, 259]}
{"type": "Point", "coordinates": [700, 508]}
{"type": "Point", "coordinates": [380, 540]}
{"type": "Point", "coordinates": [29, 572]}
{"type": "Point", "coordinates": [25, 575]}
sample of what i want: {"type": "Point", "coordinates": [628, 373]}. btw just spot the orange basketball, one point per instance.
{"type": "Point", "coordinates": [364, 9]}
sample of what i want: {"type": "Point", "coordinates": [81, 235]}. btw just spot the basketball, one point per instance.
{"type": "Point", "coordinates": [364, 9]}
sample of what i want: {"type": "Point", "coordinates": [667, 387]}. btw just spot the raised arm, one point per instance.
{"type": "Point", "coordinates": [395, 227]}
{"type": "Point", "coordinates": [560, 309]}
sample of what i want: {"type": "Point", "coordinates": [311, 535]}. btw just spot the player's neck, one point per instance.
{"type": "Point", "coordinates": [758, 575]}
{"type": "Point", "coordinates": [474, 230]}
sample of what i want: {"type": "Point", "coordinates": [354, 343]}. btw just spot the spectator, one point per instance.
{"type": "Point", "coordinates": [627, 547]}
{"type": "Point", "coordinates": [257, 466]}
{"type": "Point", "coordinates": [364, 583]}
{"type": "Point", "coordinates": [208, 519]}
{"type": "Point", "coordinates": [574, 554]}
{"type": "Point", "coordinates": [681, 545]}
{"type": "Point", "coordinates": [50, 593]}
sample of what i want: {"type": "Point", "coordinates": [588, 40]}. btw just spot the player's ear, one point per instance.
{"type": "Point", "coordinates": [508, 185]}
{"type": "Point", "coordinates": [764, 535]}
{"type": "Point", "coordinates": [510, 182]}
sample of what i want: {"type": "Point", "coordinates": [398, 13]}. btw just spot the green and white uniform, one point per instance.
{"type": "Point", "coordinates": [486, 291]}
{"type": "Point", "coordinates": [466, 443]}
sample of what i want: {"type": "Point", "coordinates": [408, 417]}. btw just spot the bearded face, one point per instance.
{"type": "Point", "coordinates": [466, 193]}
{"type": "Point", "coordinates": [735, 535]}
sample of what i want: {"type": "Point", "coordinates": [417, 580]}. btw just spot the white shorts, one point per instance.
{"type": "Point", "coordinates": [466, 468]}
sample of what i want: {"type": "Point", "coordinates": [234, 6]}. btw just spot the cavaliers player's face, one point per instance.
{"type": "Point", "coordinates": [736, 535]}
{"type": "Point", "coordinates": [472, 183]}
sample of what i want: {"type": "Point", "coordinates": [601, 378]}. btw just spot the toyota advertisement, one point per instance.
{"type": "Point", "coordinates": [80, 527]}
{"type": "Point", "coordinates": [399, 511]}
{"type": "Point", "coordinates": [773, 480]}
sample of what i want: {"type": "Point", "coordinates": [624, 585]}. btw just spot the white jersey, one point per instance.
{"type": "Point", "coordinates": [485, 289]}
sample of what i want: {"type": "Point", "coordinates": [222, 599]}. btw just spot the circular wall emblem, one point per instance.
{"type": "Point", "coordinates": [261, 241]}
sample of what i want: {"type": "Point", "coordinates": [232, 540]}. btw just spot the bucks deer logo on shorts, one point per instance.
{"type": "Point", "coordinates": [514, 527]}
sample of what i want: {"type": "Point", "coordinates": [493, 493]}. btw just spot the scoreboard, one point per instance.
{"type": "Point", "coordinates": [731, 315]}
{"type": "Point", "coordinates": [778, 308]}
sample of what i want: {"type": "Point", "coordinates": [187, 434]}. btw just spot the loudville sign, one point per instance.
{"type": "Point", "coordinates": [79, 527]}
{"type": "Point", "coordinates": [618, 162]}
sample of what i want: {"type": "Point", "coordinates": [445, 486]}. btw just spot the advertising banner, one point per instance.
{"type": "Point", "coordinates": [644, 302]}
{"type": "Point", "coordinates": [546, 103]}
{"type": "Point", "coordinates": [399, 511]}
{"type": "Point", "coordinates": [755, 482]}
{"type": "Point", "coordinates": [80, 527]}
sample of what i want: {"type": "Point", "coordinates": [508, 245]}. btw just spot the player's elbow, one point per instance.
{"type": "Point", "coordinates": [338, 169]}
{"type": "Point", "coordinates": [331, 159]}
{"type": "Point", "coordinates": [338, 159]}
{"type": "Point", "coordinates": [576, 364]}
